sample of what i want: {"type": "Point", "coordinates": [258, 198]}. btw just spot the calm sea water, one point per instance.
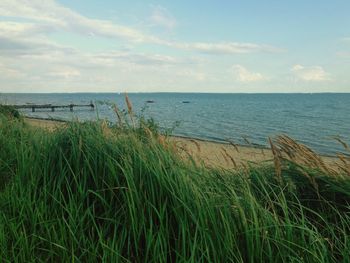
{"type": "Point", "coordinates": [312, 119]}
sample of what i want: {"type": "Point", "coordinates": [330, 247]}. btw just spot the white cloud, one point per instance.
{"type": "Point", "coordinates": [65, 72]}
{"type": "Point", "coordinates": [9, 72]}
{"type": "Point", "coordinates": [49, 67]}
{"type": "Point", "coordinates": [225, 47]}
{"type": "Point", "coordinates": [25, 39]}
{"type": "Point", "coordinates": [17, 29]}
{"type": "Point", "coordinates": [61, 18]}
{"type": "Point", "coordinates": [192, 74]}
{"type": "Point", "coordinates": [162, 17]}
{"type": "Point", "coordinates": [313, 73]}
{"type": "Point", "coordinates": [30, 58]}
{"type": "Point", "coordinates": [297, 68]}
{"type": "Point", "coordinates": [244, 75]}
{"type": "Point", "coordinates": [343, 54]}
{"type": "Point", "coordinates": [54, 17]}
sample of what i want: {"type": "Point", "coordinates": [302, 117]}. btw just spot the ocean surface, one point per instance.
{"type": "Point", "coordinates": [312, 119]}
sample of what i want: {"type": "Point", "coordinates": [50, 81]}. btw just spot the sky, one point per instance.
{"type": "Point", "coordinates": [229, 46]}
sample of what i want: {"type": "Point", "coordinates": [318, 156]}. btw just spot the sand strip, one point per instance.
{"type": "Point", "coordinates": [212, 153]}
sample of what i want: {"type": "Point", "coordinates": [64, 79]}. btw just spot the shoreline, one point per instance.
{"type": "Point", "coordinates": [44, 119]}
{"type": "Point", "coordinates": [222, 142]}
{"type": "Point", "coordinates": [216, 154]}
{"type": "Point", "coordinates": [212, 153]}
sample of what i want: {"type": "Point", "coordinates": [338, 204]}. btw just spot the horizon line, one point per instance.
{"type": "Point", "coordinates": [173, 92]}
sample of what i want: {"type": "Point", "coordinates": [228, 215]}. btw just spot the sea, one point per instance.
{"type": "Point", "coordinates": [312, 119]}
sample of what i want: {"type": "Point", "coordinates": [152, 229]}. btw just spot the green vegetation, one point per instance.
{"type": "Point", "coordinates": [90, 193]}
{"type": "Point", "coordinates": [9, 111]}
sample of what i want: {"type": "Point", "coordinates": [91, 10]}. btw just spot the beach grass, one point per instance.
{"type": "Point", "coordinates": [91, 192]}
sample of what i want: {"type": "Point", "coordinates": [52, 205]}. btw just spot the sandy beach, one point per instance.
{"type": "Point", "coordinates": [46, 124]}
{"type": "Point", "coordinates": [212, 153]}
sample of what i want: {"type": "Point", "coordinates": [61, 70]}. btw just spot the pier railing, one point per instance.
{"type": "Point", "coordinates": [53, 107]}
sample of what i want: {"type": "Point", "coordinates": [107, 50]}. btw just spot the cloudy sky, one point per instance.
{"type": "Point", "coordinates": [182, 46]}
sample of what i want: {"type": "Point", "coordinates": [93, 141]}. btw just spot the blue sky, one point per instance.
{"type": "Point", "coordinates": [174, 46]}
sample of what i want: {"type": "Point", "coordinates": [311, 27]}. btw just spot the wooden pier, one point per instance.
{"type": "Point", "coordinates": [53, 107]}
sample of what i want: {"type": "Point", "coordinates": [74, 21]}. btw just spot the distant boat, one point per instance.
{"type": "Point", "coordinates": [149, 101]}
{"type": "Point", "coordinates": [186, 101]}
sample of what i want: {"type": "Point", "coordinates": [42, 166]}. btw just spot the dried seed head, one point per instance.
{"type": "Point", "coordinates": [276, 160]}
{"type": "Point", "coordinates": [233, 144]}
{"type": "Point", "coordinates": [129, 105]}
{"type": "Point", "coordinates": [119, 116]}
{"type": "Point", "coordinates": [197, 145]}
{"type": "Point", "coordinates": [345, 145]}
{"type": "Point", "coordinates": [225, 153]}
{"type": "Point", "coordinates": [148, 132]}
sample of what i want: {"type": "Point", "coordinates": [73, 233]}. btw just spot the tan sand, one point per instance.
{"type": "Point", "coordinates": [46, 124]}
{"type": "Point", "coordinates": [221, 154]}
{"type": "Point", "coordinates": [212, 153]}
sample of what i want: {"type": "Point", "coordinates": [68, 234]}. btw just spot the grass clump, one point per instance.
{"type": "Point", "coordinates": [9, 111]}
{"type": "Point", "coordinates": [90, 193]}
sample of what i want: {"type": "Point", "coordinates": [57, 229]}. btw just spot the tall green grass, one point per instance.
{"type": "Point", "coordinates": [89, 193]}
{"type": "Point", "coordinates": [9, 111]}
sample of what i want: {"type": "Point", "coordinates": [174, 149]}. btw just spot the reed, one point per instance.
{"type": "Point", "coordinates": [234, 145]}
{"type": "Point", "coordinates": [276, 160]}
{"type": "Point", "coordinates": [130, 110]}
{"type": "Point", "coordinates": [88, 192]}
{"type": "Point", "coordinates": [227, 156]}
{"type": "Point", "coordinates": [119, 115]}
{"type": "Point", "coordinates": [196, 144]}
